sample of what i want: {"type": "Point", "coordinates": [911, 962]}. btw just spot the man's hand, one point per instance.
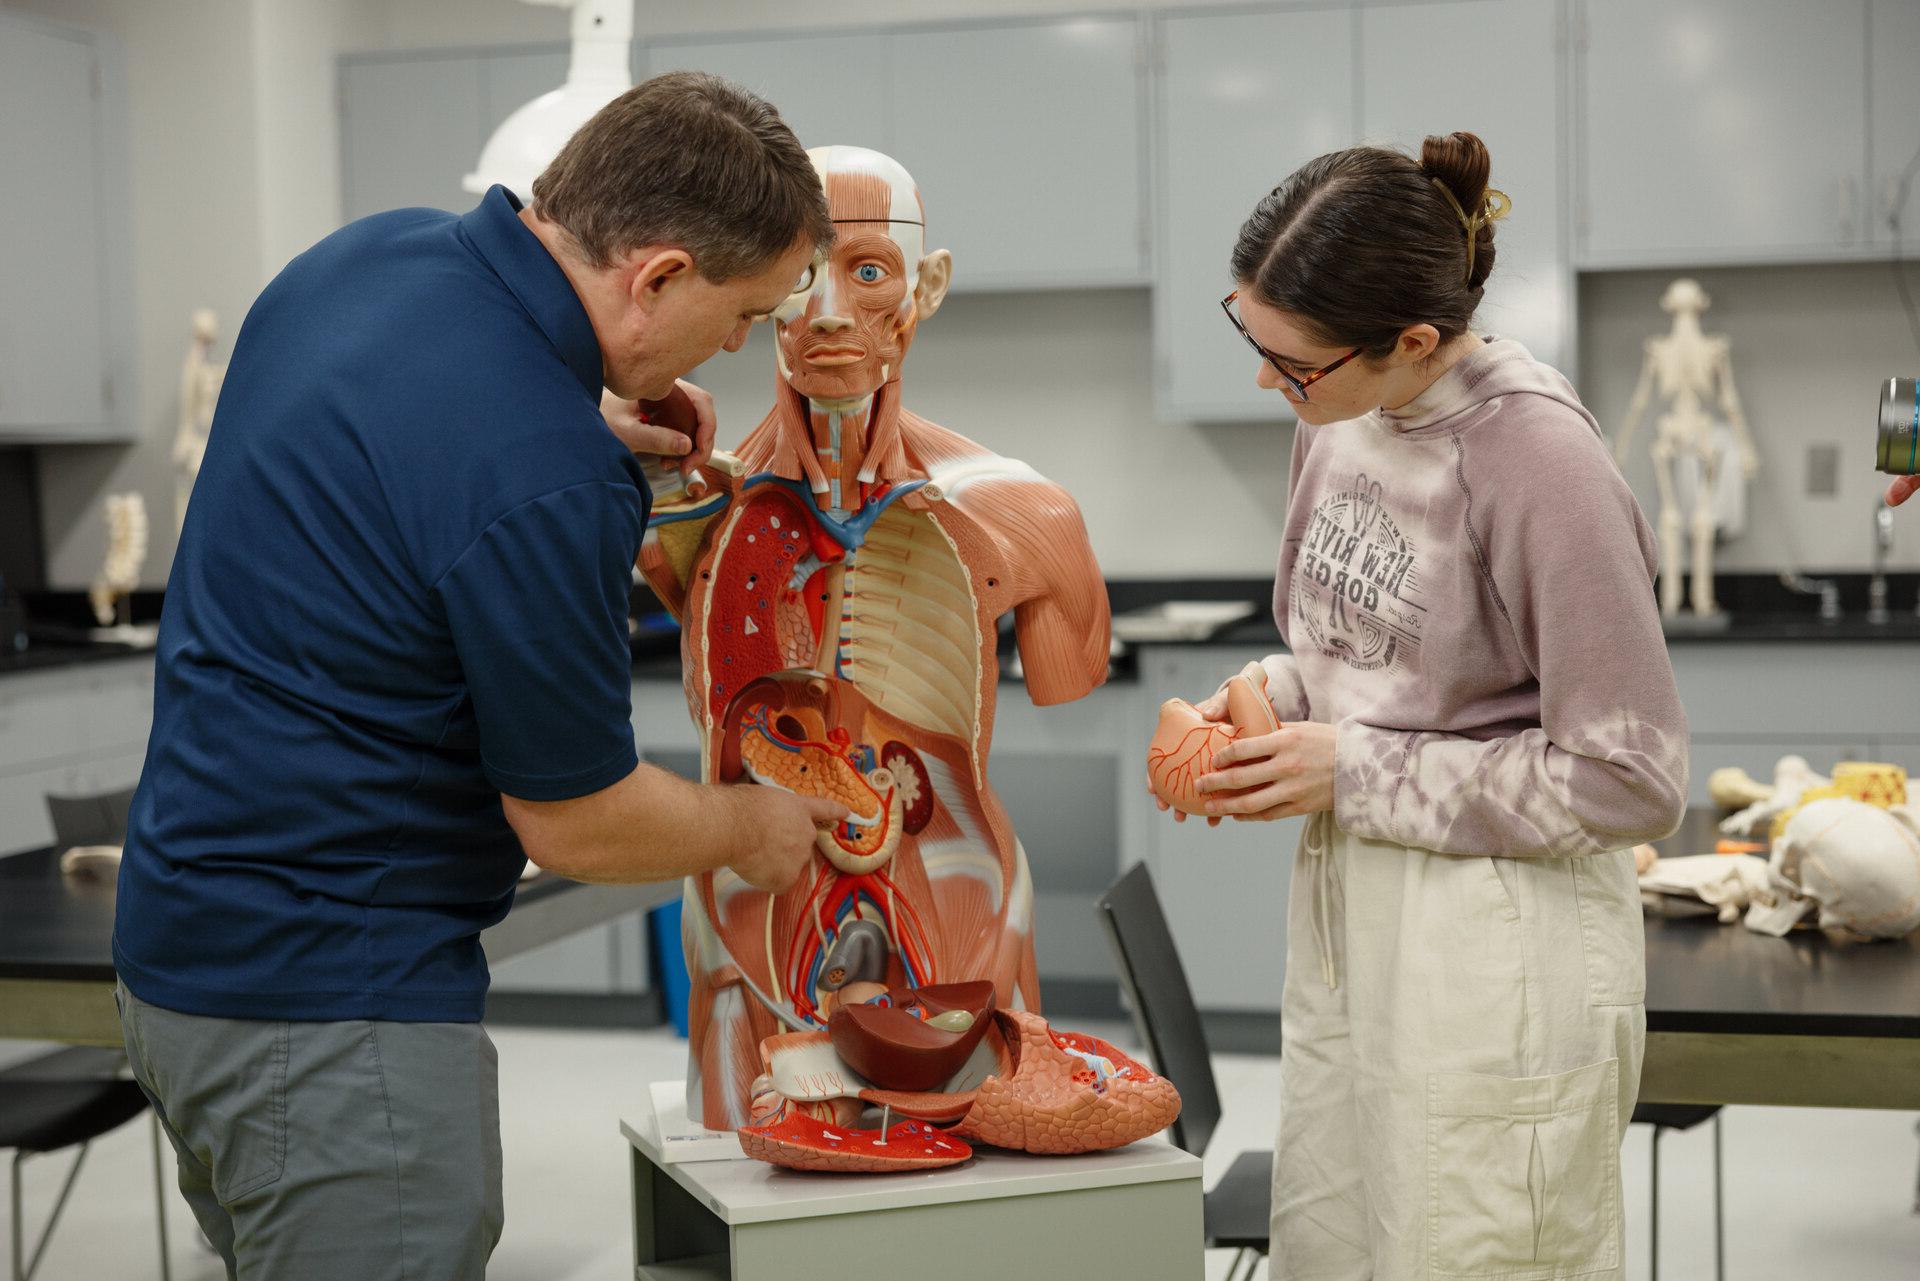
{"type": "Point", "coordinates": [1901, 489]}
{"type": "Point", "coordinates": [1291, 771]}
{"type": "Point", "coordinates": [781, 827]}
{"type": "Point", "coordinates": [679, 425]}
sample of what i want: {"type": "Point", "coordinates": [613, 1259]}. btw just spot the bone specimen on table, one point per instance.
{"type": "Point", "coordinates": [839, 578]}
{"type": "Point", "coordinates": [1792, 778]}
{"type": "Point", "coordinates": [1854, 866]}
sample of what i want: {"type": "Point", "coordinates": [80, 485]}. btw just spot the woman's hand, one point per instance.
{"type": "Point", "coordinates": [680, 425]}
{"type": "Point", "coordinates": [1290, 772]}
{"type": "Point", "coordinates": [1212, 709]}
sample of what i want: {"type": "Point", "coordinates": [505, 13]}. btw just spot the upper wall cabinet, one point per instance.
{"type": "Point", "coordinates": [1725, 131]}
{"type": "Point", "coordinates": [412, 124]}
{"type": "Point", "coordinates": [1026, 140]}
{"type": "Point", "coordinates": [1411, 85]}
{"type": "Point", "coordinates": [1029, 147]}
{"type": "Point", "coordinates": [1247, 98]}
{"type": "Point", "coordinates": [1893, 111]}
{"type": "Point", "coordinates": [64, 292]}
{"type": "Point", "coordinates": [1244, 100]}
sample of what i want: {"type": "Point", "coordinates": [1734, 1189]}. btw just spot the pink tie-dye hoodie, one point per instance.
{"type": "Point", "coordinates": [1466, 589]}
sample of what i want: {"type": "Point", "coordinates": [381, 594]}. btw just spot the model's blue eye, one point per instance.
{"type": "Point", "coordinates": [869, 272]}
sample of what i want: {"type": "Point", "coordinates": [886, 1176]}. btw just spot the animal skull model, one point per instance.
{"type": "Point", "coordinates": [1857, 864]}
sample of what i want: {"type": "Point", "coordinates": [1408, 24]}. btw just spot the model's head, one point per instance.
{"type": "Point", "coordinates": [844, 332]}
{"type": "Point", "coordinates": [682, 211]}
{"type": "Point", "coordinates": [1366, 256]}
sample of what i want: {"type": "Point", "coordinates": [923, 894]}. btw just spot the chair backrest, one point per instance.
{"type": "Point", "coordinates": [1163, 1009]}
{"type": "Point", "coordinates": [100, 819]}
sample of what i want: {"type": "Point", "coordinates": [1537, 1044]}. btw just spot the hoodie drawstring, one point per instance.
{"type": "Point", "coordinates": [1316, 843]}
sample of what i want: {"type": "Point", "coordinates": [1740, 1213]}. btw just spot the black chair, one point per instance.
{"type": "Point", "coordinates": [1684, 1116]}
{"type": "Point", "coordinates": [1237, 1211]}
{"type": "Point", "coordinates": [67, 1099]}
{"type": "Point", "coordinates": [99, 819]}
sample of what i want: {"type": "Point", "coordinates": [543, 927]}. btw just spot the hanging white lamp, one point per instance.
{"type": "Point", "coordinates": [598, 71]}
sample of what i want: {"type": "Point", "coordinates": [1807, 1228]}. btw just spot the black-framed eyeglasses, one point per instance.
{"type": "Point", "coordinates": [1299, 385]}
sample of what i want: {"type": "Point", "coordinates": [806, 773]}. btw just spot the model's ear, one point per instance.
{"type": "Point", "coordinates": [936, 274]}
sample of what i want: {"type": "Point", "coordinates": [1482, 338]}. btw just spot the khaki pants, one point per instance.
{"type": "Point", "coordinates": [345, 1151]}
{"type": "Point", "coordinates": [1461, 1053]}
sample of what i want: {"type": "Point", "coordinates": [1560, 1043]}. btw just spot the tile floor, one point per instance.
{"type": "Point", "coordinates": [1811, 1195]}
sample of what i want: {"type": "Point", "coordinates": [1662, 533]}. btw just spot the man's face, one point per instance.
{"type": "Point", "coordinates": [844, 336]}
{"type": "Point", "coordinates": [688, 318]}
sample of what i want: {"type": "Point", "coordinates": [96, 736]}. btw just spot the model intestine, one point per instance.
{"type": "Point", "coordinates": [838, 579]}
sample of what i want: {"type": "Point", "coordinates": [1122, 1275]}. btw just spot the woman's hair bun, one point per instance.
{"type": "Point", "coordinates": [1459, 160]}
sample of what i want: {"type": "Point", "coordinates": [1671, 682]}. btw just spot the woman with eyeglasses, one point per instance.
{"type": "Point", "coordinates": [1479, 720]}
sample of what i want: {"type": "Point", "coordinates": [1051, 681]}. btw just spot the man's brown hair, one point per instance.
{"type": "Point", "coordinates": [690, 160]}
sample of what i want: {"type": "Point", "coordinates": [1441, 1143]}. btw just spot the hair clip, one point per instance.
{"type": "Point", "coordinates": [1497, 206]}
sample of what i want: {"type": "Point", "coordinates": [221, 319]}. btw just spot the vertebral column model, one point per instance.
{"type": "Point", "coordinates": [838, 580]}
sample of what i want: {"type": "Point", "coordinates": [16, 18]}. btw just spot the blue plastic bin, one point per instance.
{"type": "Point", "coordinates": [669, 962]}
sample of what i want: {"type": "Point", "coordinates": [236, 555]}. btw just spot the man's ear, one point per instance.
{"type": "Point", "coordinates": [654, 272]}
{"type": "Point", "coordinates": [936, 274]}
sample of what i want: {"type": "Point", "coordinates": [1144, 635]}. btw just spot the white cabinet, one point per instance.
{"type": "Point", "coordinates": [1244, 100]}
{"type": "Point", "coordinates": [1723, 131]}
{"type": "Point", "coordinates": [1410, 82]}
{"type": "Point", "coordinates": [62, 260]}
{"type": "Point", "coordinates": [412, 124]}
{"type": "Point", "coordinates": [831, 90]}
{"type": "Point", "coordinates": [72, 731]}
{"type": "Point", "coordinates": [1026, 140]}
{"type": "Point", "coordinates": [1028, 145]}
{"type": "Point", "coordinates": [1224, 889]}
{"type": "Point", "coordinates": [1893, 114]}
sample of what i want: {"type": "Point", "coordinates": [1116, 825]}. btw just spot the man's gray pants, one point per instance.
{"type": "Point", "coordinates": [349, 1151]}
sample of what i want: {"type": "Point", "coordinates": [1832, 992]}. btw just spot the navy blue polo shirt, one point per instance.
{"type": "Point", "coordinates": [400, 592]}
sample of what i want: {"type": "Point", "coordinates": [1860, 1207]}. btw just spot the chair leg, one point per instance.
{"type": "Point", "coordinates": [1247, 1257]}
{"type": "Point", "coordinates": [1719, 1210]}
{"type": "Point", "coordinates": [1654, 1270]}
{"type": "Point", "coordinates": [160, 1197]}
{"type": "Point", "coordinates": [19, 1225]}
{"type": "Point", "coordinates": [24, 1272]}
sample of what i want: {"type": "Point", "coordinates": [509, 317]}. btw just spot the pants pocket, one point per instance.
{"type": "Point", "coordinates": [1612, 931]}
{"type": "Point", "coordinates": [1523, 1174]}
{"type": "Point", "coordinates": [254, 1151]}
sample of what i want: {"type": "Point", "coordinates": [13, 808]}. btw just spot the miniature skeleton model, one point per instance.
{"type": "Point", "coordinates": [200, 380]}
{"type": "Point", "coordinates": [838, 581]}
{"type": "Point", "coordinates": [126, 556]}
{"type": "Point", "coordinates": [1688, 370]}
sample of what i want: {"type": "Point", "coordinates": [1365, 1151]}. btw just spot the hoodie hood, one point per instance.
{"type": "Point", "coordinates": [1501, 367]}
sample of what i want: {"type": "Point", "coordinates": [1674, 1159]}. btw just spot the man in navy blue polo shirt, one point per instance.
{"type": "Point", "coordinates": [393, 665]}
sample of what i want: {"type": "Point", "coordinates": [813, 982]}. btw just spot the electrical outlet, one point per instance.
{"type": "Point", "coordinates": [1823, 471]}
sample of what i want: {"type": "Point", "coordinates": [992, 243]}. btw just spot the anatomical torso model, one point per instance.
{"type": "Point", "coordinates": [838, 580]}
{"type": "Point", "coordinates": [1688, 370]}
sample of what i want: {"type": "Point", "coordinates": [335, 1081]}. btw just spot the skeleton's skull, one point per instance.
{"type": "Point", "coordinates": [1857, 864]}
{"type": "Point", "coordinates": [846, 328]}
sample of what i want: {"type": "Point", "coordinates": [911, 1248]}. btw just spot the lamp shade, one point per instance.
{"type": "Point", "coordinates": [598, 71]}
